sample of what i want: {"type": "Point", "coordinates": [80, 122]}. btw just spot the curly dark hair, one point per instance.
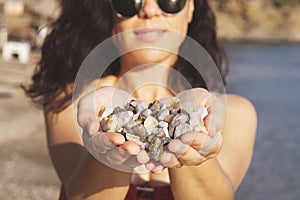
{"type": "Point", "coordinates": [81, 26]}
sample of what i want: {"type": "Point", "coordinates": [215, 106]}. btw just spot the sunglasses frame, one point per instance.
{"type": "Point", "coordinates": [143, 2]}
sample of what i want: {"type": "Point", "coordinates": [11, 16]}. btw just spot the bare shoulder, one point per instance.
{"type": "Point", "coordinates": [239, 105]}
{"type": "Point", "coordinates": [241, 109]}
{"type": "Point", "coordinates": [238, 137]}
{"type": "Point", "coordinates": [241, 114]}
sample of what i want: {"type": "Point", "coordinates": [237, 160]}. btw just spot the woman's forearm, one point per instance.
{"type": "Point", "coordinates": [206, 181]}
{"type": "Point", "coordinates": [94, 180]}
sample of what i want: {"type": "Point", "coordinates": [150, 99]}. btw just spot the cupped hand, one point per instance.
{"type": "Point", "coordinates": [93, 103]}
{"type": "Point", "coordinates": [193, 148]}
{"type": "Point", "coordinates": [213, 102]}
{"type": "Point", "coordinates": [107, 147]}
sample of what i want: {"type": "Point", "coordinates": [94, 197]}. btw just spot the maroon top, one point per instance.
{"type": "Point", "coordinates": [140, 192]}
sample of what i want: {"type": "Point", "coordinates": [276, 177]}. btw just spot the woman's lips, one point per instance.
{"type": "Point", "coordinates": [149, 34]}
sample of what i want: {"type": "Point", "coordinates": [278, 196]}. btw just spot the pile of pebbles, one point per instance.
{"type": "Point", "coordinates": [154, 125]}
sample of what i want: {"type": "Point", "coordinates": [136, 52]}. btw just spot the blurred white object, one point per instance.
{"type": "Point", "coordinates": [14, 8]}
{"type": "Point", "coordinates": [19, 48]}
{"type": "Point", "coordinates": [3, 34]}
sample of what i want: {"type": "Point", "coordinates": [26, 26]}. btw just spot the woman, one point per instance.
{"type": "Point", "coordinates": [184, 174]}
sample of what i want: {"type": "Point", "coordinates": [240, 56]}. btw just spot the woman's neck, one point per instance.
{"type": "Point", "coordinates": [147, 82]}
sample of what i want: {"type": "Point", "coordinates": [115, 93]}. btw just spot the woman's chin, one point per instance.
{"type": "Point", "coordinates": [153, 56]}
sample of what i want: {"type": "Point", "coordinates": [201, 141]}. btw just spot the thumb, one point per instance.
{"type": "Point", "coordinates": [215, 121]}
{"type": "Point", "coordinates": [94, 102]}
{"type": "Point", "coordinates": [87, 114]}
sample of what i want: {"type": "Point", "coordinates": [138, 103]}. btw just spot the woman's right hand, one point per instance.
{"type": "Point", "coordinates": [109, 148]}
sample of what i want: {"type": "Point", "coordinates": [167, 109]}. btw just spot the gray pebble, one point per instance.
{"type": "Point", "coordinates": [155, 148]}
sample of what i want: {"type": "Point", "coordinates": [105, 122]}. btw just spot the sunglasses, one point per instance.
{"type": "Point", "coordinates": [129, 8]}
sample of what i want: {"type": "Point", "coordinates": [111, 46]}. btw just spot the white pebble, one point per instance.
{"type": "Point", "coordinates": [106, 112]}
{"type": "Point", "coordinates": [150, 123]}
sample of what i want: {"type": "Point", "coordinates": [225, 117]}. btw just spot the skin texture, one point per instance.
{"type": "Point", "coordinates": [215, 176]}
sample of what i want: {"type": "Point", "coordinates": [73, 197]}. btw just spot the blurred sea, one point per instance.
{"type": "Point", "coordinates": [269, 75]}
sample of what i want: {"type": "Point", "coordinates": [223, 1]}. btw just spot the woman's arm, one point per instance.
{"type": "Point", "coordinates": [219, 177]}
{"type": "Point", "coordinates": [83, 176]}
{"type": "Point", "coordinates": [206, 181]}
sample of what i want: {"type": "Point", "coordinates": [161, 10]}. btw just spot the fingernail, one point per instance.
{"type": "Point", "coordinates": [158, 169]}
{"type": "Point", "coordinates": [174, 146]}
{"type": "Point", "coordinates": [143, 158]}
{"type": "Point", "coordinates": [166, 159]}
{"type": "Point", "coordinates": [209, 144]}
{"type": "Point", "coordinates": [150, 166]}
{"type": "Point", "coordinates": [188, 138]}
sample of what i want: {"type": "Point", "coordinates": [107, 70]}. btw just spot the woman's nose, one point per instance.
{"type": "Point", "coordinates": [150, 9]}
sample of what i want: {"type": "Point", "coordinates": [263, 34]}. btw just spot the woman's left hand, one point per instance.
{"type": "Point", "coordinates": [193, 148]}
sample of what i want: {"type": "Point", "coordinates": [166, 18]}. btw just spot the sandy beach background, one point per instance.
{"type": "Point", "coordinates": [25, 169]}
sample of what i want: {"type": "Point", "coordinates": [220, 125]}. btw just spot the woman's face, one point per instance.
{"type": "Point", "coordinates": [152, 29]}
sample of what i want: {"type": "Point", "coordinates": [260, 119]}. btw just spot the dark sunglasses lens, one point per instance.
{"type": "Point", "coordinates": [127, 8]}
{"type": "Point", "coordinates": [171, 6]}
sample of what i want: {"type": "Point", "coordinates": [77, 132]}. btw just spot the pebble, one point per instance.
{"type": "Point", "coordinates": [156, 148]}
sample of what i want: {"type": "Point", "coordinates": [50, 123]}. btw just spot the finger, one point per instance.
{"type": "Point", "coordinates": [198, 95]}
{"type": "Point", "coordinates": [191, 157]}
{"type": "Point", "coordinates": [94, 102]}
{"type": "Point", "coordinates": [202, 143]}
{"type": "Point", "coordinates": [168, 159]}
{"type": "Point", "coordinates": [189, 137]}
{"type": "Point", "coordinates": [135, 161]}
{"type": "Point", "coordinates": [211, 145]}
{"type": "Point", "coordinates": [217, 114]}
{"type": "Point", "coordinates": [131, 147]}
{"type": "Point", "coordinates": [175, 164]}
{"type": "Point", "coordinates": [117, 156]}
{"type": "Point", "coordinates": [177, 147]}
{"type": "Point", "coordinates": [214, 103]}
{"type": "Point", "coordinates": [125, 155]}
{"type": "Point", "coordinates": [87, 115]}
{"type": "Point", "coordinates": [132, 162]}
{"type": "Point", "coordinates": [150, 165]}
{"type": "Point", "coordinates": [194, 139]}
{"type": "Point", "coordinates": [157, 169]}
{"type": "Point", "coordinates": [103, 142]}
{"type": "Point", "coordinates": [185, 154]}
{"type": "Point", "coordinates": [143, 157]}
